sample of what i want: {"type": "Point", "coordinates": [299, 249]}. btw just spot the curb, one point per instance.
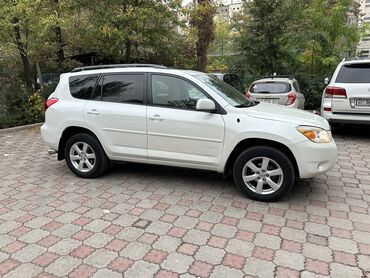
{"type": "Point", "coordinates": [17, 128]}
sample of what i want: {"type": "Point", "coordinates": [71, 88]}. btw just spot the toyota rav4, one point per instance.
{"type": "Point", "coordinates": [158, 115]}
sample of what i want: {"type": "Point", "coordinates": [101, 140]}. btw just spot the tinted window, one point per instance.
{"type": "Point", "coordinates": [82, 86]}
{"type": "Point", "coordinates": [356, 73]}
{"type": "Point", "coordinates": [270, 88]}
{"type": "Point", "coordinates": [175, 92]}
{"type": "Point", "coordinates": [123, 88]}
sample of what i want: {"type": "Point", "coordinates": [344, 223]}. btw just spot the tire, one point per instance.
{"type": "Point", "coordinates": [93, 159]}
{"type": "Point", "coordinates": [277, 179]}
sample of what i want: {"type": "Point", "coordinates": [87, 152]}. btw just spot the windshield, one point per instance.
{"type": "Point", "coordinates": [270, 88]}
{"type": "Point", "coordinates": [224, 90]}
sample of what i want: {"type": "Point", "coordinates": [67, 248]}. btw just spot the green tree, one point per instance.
{"type": "Point", "coordinates": [18, 29]}
{"type": "Point", "coordinates": [260, 34]}
{"type": "Point", "coordinates": [201, 18]}
{"type": "Point", "coordinates": [326, 35]}
{"type": "Point", "coordinates": [131, 30]}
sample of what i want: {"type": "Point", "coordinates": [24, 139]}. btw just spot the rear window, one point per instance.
{"type": "Point", "coordinates": [270, 88]}
{"type": "Point", "coordinates": [355, 73]}
{"type": "Point", "coordinates": [82, 86]}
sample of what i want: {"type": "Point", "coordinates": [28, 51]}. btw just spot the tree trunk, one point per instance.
{"type": "Point", "coordinates": [128, 51]}
{"type": "Point", "coordinates": [22, 48]}
{"type": "Point", "coordinates": [201, 55]}
{"type": "Point", "coordinates": [203, 21]}
{"type": "Point", "coordinates": [60, 50]}
{"type": "Point", "coordinates": [59, 40]}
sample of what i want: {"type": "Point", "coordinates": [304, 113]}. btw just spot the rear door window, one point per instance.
{"type": "Point", "coordinates": [82, 86]}
{"type": "Point", "coordinates": [354, 73]}
{"type": "Point", "coordinates": [122, 88]}
{"type": "Point", "coordinates": [270, 88]}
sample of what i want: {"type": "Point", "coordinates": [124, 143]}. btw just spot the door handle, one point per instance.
{"type": "Point", "coordinates": [93, 112]}
{"type": "Point", "coordinates": [156, 118]}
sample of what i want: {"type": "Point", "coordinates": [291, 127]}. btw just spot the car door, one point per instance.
{"type": "Point", "coordinates": [117, 112]}
{"type": "Point", "coordinates": [178, 134]}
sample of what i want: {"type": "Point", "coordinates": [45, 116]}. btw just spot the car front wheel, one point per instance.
{"type": "Point", "coordinates": [85, 156]}
{"type": "Point", "coordinates": [264, 173]}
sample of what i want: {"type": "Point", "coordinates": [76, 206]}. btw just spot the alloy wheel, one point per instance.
{"type": "Point", "coordinates": [262, 175]}
{"type": "Point", "coordinates": [82, 157]}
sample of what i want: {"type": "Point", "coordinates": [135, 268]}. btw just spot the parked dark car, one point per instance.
{"type": "Point", "coordinates": [231, 79]}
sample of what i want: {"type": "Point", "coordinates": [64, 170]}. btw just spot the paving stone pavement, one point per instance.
{"type": "Point", "coordinates": [153, 221]}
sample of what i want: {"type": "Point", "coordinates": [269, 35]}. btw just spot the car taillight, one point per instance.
{"type": "Point", "coordinates": [335, 92]}
{"type": "Point", "coordinates": [291, 98]}
{"type": "Point", "coordinates": [327, 109]}
{"type": "Point", "coordinates": [247, 94]}
{"type": "Point", "coordinates": [50, 102]}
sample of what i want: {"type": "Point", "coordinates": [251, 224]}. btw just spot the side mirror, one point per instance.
{"type": "Point", "coordinates": [326, 81]}
{"type": "Point", "coordinates": [206, 105]}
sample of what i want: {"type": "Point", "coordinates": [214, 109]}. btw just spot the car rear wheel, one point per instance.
{"type": "Point", "coordinates": [85, 156]}
{"type": "Point", "coordinates": [264, 173]}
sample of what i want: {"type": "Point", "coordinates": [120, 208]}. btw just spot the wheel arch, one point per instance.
{"type": "Point", "coordinates": [67, 133]}
{"type": "Point", "coordinates": [252, 142]}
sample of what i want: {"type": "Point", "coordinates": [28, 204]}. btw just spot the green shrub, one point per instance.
{"type": "Point", "coordinates": [34, 108]}
{"type": "Point", "coordinates": [13, 97]}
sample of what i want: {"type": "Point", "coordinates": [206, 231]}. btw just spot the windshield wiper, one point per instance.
{"type": "Point", "coordinates": [245, 105]}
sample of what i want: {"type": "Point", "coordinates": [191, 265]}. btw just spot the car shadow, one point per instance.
{"type": "Point", "coordinates": [181, 178]}
{"type": "Point", "coordinates": [347, 130]}
{"type": "Point", "coordinates": [184, 179]}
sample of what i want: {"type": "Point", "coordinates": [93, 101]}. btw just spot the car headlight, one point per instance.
{"type": "Point", "coordinates": [316, 134]}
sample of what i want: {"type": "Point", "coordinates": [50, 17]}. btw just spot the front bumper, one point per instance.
{"type": "Point", "coordinates": [314, 159]}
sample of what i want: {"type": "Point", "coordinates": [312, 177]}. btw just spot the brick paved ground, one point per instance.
{"type": "Point", "coordinates": [146, 221]}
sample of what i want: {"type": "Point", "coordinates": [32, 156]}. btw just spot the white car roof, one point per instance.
{"type": "Point", "coordinates": [133, 69]}
{"type": "Point", "coordinates": [360, 61]}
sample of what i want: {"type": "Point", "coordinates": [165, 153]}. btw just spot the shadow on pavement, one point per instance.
{"type": "Point", "coordinates": [351, 130]}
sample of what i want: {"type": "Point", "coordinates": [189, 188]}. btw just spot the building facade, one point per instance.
{"type": "Point", "coordinates": [226, 12]}
{"type": "Point", "coordinates": [364, 45]}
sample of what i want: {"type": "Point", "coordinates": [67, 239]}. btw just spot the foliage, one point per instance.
{"type": "Point", "coordinates": [13, 96]}
{"type": "Point", "coordinates": [223, 43]}
{"type": "Point", "coordinates": [306, 39]}
{"type": "Point", "coordinates": [261, 30]}
{"type": "Point", "coordinates": [201, 18]}
{"type": "Point", "coordinates": [34, 107]}
{"type": "Point", "coordinates": [132, 31]}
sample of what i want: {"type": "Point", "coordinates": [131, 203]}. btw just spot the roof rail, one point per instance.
{"type": "Point", "coordinates": [118, 66]}
{"type": "Point", "coordinates": [357, 58]}
{"type": "Point", "coordinates": [280, 76]}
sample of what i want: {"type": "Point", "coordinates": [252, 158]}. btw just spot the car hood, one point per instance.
{"type": "Point", "coordinates": [281, 113]}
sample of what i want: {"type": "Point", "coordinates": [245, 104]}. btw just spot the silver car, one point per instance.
{"type": "Point", "coordinates": [346, 99]}
{"type": "Point", "coordinates": [277, 89]}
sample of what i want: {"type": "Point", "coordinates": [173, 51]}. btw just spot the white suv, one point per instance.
{"type": "Point", "coordinates": [346, 99]}
{"type": "Point", "coordinates": [152, 114]}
